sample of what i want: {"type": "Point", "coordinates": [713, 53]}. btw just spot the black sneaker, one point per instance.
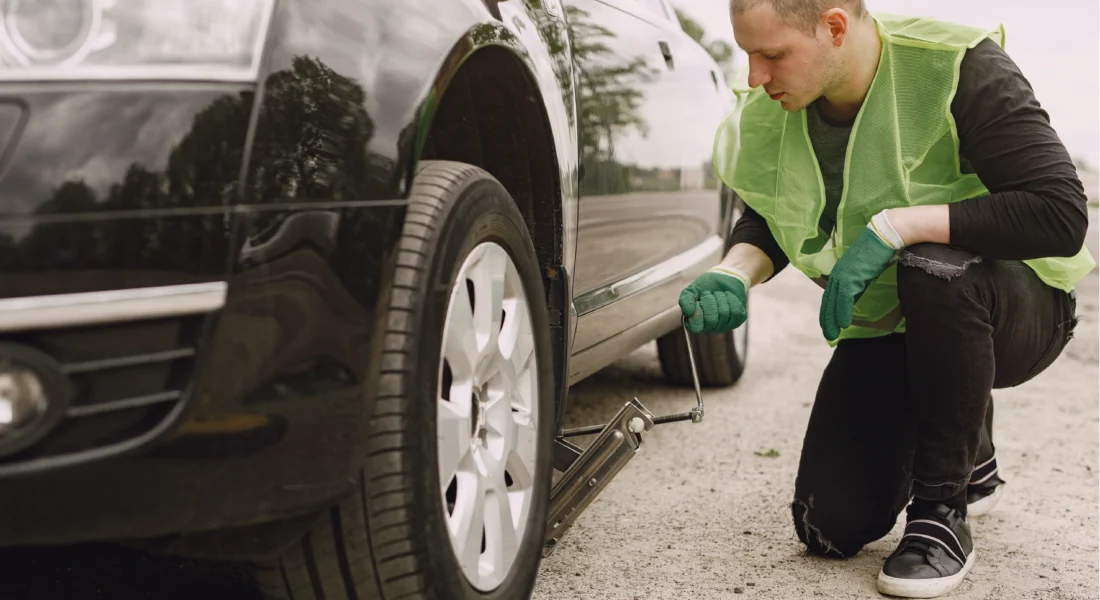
{"type": "Point", "coordinates": [935, 554]}
{"type": "Point", "coordinates": [985, 489]}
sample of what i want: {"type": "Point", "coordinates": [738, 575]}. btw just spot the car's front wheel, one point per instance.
{"type": "Point", "coordinates": [453, 496]}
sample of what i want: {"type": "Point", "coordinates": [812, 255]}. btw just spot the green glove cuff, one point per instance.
{"type": "Point", "coordinates": [880, 224]}
{"type": "Point", "coordinates": [732, 272]}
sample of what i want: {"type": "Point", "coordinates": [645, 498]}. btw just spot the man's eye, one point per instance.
{"type": "Point", "coordinates": [771, 56]}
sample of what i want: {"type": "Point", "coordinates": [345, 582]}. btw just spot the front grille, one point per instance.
{"type": "Point", "coordinates": [128, 378]}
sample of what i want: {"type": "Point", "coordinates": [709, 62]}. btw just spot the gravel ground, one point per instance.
{"type": "Point", "coordinates": [703, 511]}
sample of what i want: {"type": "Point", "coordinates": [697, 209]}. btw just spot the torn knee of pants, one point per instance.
{"type": "Point", "coordinates": [939, 260]}
{"type": "Point", "coordinates": [813, 536]}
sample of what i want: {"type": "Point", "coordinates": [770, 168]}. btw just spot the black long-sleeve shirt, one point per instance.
{"type": "Point", "coordinates": [1037, 205]}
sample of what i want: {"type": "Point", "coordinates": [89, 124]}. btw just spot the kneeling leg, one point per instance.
{"type": "Point", "coordinates": [854, 471]}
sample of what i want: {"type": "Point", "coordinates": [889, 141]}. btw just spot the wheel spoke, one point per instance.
{"type": "Point", "coordinates": [468, 520]}
{"type": "Point", "coordinates": [461, 349]}
{"type": "Point", "coordinates": [509, 364]}
{"type": "Point", "coordinates": [500, 530]}
{"type": "Point", "coordinates": [498, 419]}
{"type": "Point", "coordinates": [516, 327]}
{"type": "Point", "coordinates": [521, 363]}
{"type": "Point", "coordinates": [488, 277]}
{"type": "Point", "coordinates": [454, 429]}
{"type": "Point", "coordinates": [522, 451]}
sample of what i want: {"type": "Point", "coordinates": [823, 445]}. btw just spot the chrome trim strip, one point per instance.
{"type": "Point", "coordinates": [127, 361]}
{"type": "Point", "coordinates": [95, 409]}
{"type": "Point", "coordinates": [601, 297]}
{"type": "Point", "coordinates": [88, 308]}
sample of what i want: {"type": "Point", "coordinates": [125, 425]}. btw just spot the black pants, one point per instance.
{"type": "Point", "coordinates": [903, 415]}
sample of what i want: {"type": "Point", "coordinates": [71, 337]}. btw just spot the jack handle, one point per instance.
{"type": "Point", "coordinates": [695, 415]}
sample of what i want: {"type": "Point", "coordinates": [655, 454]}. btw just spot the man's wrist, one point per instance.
{"type": "Point", "coordinates": [918, 224]}
{"type": "Point", "coordinates": [732, 272]}
{"type": "Point", "coordinates": [882, 225]}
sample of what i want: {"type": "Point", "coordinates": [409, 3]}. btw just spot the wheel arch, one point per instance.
{"type": "Point", "coordinates": [487, 107]}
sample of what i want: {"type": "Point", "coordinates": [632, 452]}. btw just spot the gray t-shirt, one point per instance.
{"type": "Point", "coordinates": [830, 141]}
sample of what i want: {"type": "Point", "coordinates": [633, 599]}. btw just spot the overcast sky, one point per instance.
{"type": "Point", "coordinates": [1058, 51]}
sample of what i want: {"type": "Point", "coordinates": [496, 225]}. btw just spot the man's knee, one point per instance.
{"type": "Point", "coordinates": [825, 532]}
{"type": "Point", "coordinates": [935, 269]}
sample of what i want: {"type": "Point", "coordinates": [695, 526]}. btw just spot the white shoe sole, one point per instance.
{"type": "Point", "coordinates": [986, 504]}
{"type": "Point", "coordinates": [923, 588]}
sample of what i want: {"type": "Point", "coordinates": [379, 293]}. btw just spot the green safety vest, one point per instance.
{"type": "Point", "coordinates": [903, 151]}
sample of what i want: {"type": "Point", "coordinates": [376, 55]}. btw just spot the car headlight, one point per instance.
{"type": "Point", "coordinates": [132, 39]}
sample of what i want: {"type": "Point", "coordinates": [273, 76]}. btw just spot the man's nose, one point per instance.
{"type": "Point", "coordinates": [758, 74]}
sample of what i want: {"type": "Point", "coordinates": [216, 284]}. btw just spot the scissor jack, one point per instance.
{"type": "Point", "coordinates": [588, 471]}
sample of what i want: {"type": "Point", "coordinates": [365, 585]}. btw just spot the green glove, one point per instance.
{"type": "Point", "coordinates": [866, 259]}
{"type": "Point", "coordinates": [715, 301]}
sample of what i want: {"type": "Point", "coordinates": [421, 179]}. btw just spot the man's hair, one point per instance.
{"type": "Point", "coordinates": [801, 14]}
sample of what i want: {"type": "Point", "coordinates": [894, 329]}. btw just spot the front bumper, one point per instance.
{"type": "Point", "coordinates": [268, 427]}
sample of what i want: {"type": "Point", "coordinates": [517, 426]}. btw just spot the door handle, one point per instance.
{"type": "Point", "coordinates": [667, 53]}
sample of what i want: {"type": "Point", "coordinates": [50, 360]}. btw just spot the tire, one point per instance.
{"type": "Point", "coordinates": [390, 540]}
{"type": "Point", "coordinates": [719, 357]}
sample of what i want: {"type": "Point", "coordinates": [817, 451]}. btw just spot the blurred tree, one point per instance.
{"type": "Point", "coordinates": [312, 136]}
{"type": "Point", "coordinates": [311, 143]}
{"type": "Point", "coordinates": [608, 86]}
{"type": "Point", "coordinates": [609, 100]}
{"type": "Point", "coordinates": [719, 50]}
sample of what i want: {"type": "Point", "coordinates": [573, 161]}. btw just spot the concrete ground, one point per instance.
{"type": "Point", "coordinates": [703, 512]}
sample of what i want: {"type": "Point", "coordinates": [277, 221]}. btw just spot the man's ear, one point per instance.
{"type": "Point", "coordinates": [835, 21]}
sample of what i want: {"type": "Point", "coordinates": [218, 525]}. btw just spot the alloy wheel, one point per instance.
{"type": "Point", "coordinates": [487, 427]}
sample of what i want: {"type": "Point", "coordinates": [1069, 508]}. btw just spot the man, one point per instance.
{"type": "Point", "coordinates": [905, 165]}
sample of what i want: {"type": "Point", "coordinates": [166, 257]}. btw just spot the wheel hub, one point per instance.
{"type": "Point", "coordinates": [480, 433]}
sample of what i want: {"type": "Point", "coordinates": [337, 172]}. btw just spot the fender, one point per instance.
{"type": "Point", "coordinates": [400, 59]}
{"type": "Point", "coordinates": [540, 41]}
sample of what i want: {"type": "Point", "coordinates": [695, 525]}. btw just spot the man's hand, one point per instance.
{"type": "Point", "coordinates": [715, 301]}
{"type": "Point", "coordinates": [861, 264]}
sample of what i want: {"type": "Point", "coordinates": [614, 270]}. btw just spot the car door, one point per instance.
{"type": "Point", "coordinates": [647, 108]}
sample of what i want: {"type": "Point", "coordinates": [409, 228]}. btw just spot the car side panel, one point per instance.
{"type": "Point", "coordinates": [653, 202]}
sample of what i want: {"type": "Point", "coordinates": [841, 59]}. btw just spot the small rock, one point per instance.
{"type": "Point", "coordinates": [746, 532]}
{"type": "Point", "coordinates": [670, 546]}
{"type": "Point", "coordinates": [577, 574]}
{"type": "Point", "coordinates": [751, 584]}
{"type": "Point", "coordinates": [738, 590]}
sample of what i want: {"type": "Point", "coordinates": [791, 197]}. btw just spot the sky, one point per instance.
{"type": "Point", "coordinates": [1058, 51]}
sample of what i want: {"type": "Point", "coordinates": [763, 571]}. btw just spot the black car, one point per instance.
{"type": "Point", "coordinates": [306, 283]}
